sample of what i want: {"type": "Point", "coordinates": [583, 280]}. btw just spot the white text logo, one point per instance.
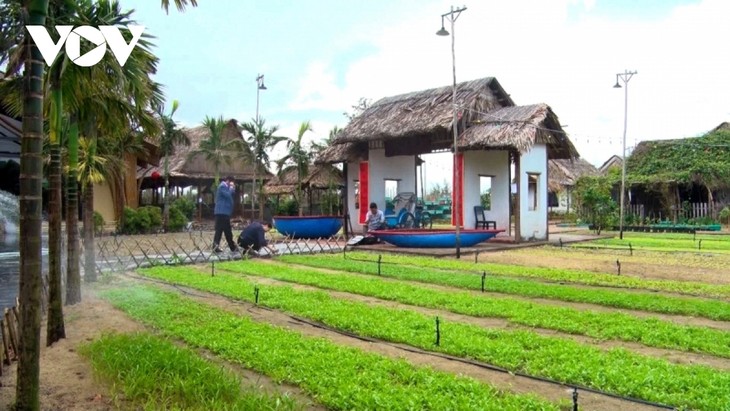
{"type": "Point", "coordinates": [71, 37]}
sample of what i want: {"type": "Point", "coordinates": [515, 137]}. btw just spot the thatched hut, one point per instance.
{"type": "Point", "coordinates": [681, 178]}
{"type": "Point", "coordinates": [194, 171]}
{"type": "Point", "coordinates": [383, 143]}
{"type": "Point", "coordinates": [613, 162]}
{"type": "Point", "coordinates": [563, 174]}
{"type": "Point", "coordinates": [320, 188]}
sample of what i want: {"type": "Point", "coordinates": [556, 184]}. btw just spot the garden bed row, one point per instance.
{"type": "Point", "coordinates": [646, 301]}
{"type": "Point", "coordinates": [359, 380]}
{"type": "Point", "coordinates": [542, 273]}
{"type": "Point", "coordinates": [151, 373]}
{"type": "Point", "coordinates": [618, 371]}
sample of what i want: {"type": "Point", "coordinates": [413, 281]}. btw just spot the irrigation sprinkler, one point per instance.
{"type": "Point", "coordinates": [212, 268]}
{"type": "Point", "coordinates": [438, 332]}
{"type": "Point", "coordinates": [631, 250]}
{"type": "Point", "coordinates": [476, 257]}
{"type": "Point", "coordinates": [256, 294]}
{"type": "Point", "coordinates": [699, 245]}
{"type": "Point", "coordinates": [380, 258]}
{"type": "Point", "coordinates": [575, 399]}
{"type": "Point", "coordinates": [484, 276]}
{"type": "Point", "coordinates": [618, 266]}
{"type": "Point", "coordinates": [560, 240]}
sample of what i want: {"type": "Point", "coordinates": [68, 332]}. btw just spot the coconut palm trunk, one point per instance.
{"type": "Point", "coordinates": [73, 276]}
{"type": "Point", "coordinates": [31, 176]}
{"type": "Point", "coordinates": [55, 328]}
{"type": "Point", "coordinates": [88, 213]}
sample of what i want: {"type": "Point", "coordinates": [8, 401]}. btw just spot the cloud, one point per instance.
{"type": "Point", "coordinates": [538, 54]}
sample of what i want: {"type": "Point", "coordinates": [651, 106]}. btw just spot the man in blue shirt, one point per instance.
{"type": "Point", "coordinates": [253, 237]}
{"type": "Point", "coordinates": [223, 211]}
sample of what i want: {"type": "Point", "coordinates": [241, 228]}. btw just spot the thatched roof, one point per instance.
{"type": "Point", "coordinates": [564, 172]}
{"type": "Point", "coordinates": [520, 128]}
{"type": "Point", "coordinates": [613, 161]}
{"type": "Point", "coordinates": [320, 176]}
{"type": "Point", "coordinates": [422, 121]}
{"type": "Point", "coordinates": [703, 160]}
{"type": "Point", "coordinates": [186, 169]}
{"type": "Point", "coordinates": [722, 126]}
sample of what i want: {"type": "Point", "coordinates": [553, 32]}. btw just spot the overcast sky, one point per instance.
{"type": "Point", "coordinates": [320, 57]}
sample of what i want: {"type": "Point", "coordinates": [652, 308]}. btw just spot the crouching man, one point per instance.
{"type": "Point", "coordinates": [253, 237]}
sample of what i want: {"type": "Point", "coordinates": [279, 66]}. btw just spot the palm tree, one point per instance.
{"type": "Point", "coordinates": [180, 4]}
{"type": "Point", "coordinates": [318, 147]}
{"type": "Point", "coordinates": [171, 137]}
{"type": "Point", "coordinates": [31, 173]}
{"type": "Point", "coordinates": [298, 157]}
{"type": "Point", "coordinates": [214, 149]}
{"type": "Point", "coordinates": [260, 140]}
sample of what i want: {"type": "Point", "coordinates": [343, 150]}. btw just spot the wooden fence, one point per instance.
{"type": "Point", "coordinates": [688, 211]}
{"type": "Point", "coordinates": [9, 329]}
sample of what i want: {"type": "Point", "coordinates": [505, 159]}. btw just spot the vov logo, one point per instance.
{"type": "Point", "coordinates": [71, 37]}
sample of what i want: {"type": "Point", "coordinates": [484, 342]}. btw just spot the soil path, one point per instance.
{"type": "Point", "coordinates": [706, 268]}
{"type": "Point", "coordinates": [500, 380]}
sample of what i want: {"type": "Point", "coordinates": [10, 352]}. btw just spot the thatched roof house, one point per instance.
{"type": "Point", "coordinates": [422, 122]}
{"type": "Point", "coordinates": [613, 162]}
{"type": "Point", "coordinates": [320, 176]}
{"type": "Point", "coordinates": [186, 170]}
{"type": "Point", "coordinates": [564, 173]}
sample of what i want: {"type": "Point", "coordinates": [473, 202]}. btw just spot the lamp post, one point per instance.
{"type": "Point", "coordinates": [456, 208]}
{"type": "Point", "coordinates": [259, 86]}
{"type": "Point", "coordinates": [625, 77]}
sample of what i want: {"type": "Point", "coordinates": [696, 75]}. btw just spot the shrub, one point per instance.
{"type": "Point", "coordinates": [593, 198]}
{"type": "Point", "coordinates": [288, 207]}
{"type": "Point", "coordinates": [98, 223]}
{"type": "Point", "coordinates": [186, 206]}
{"type": "Point", "coordinates": [725, 215]}
{"type": "Point", "coordinates": [177, 220]}
{"type": "Point", "coordinates": [143, 220]}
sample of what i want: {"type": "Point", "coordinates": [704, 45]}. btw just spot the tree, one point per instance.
{"type": "Point", "coordinates": [180, 4]}
{"type": "Point", "coordinates": [362, 105]}
{"type": "Point", "coordinates": [260, 140]}
{"type": "Point", "coordinates": [214, 149]}
{"type": "Point", "coordinates": [299, 157]}
{"type": "Point", "coordinates": [592, 196]}
{"type": "Point", "coordinates": [31, 174]}
{"type": "Point", "coordinates": [171, 137]}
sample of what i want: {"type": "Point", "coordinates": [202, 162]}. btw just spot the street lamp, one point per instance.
{"type": "Point", "coordinates": [456, 208]}
{"type": "Point", "coordinates": [259, 86]}
{"type": "Point", "coordinates": [625, 77]}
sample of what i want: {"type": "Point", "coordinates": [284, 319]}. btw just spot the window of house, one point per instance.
{"type": "Point", "coordinates": [485, 191]}
{"type": "Point", "coordinates": [533, 180]}
{"type": "Point", "coordinates": [356, 185]}
{"type": "Point", "coordinates": [391, 188]}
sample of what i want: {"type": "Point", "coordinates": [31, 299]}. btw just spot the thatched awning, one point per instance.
{"type": "Point", "coordinates": [427, 113]}
{"type": "Point", "coordinates": [613, 161]}
{"type": "Point", "coordinates": [342, 153]}
{"type": "Point", "coordinates": [519, 128]}
{"type": "Point", "coordinates": [186, 168]}
{"type": "Point", "coordinates": [320, 176]}
{"type": "Point", "coordinates": [565, 172]}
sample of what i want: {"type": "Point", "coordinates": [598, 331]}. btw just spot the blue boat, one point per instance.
{"type": "Point", "coordinates": [434, 238]}
{"type": "Point", "coordinates": [318, 226]}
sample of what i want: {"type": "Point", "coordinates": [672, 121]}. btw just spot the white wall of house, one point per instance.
{"type": "Point", "coordinates": [487, 163]}
{"type": "Point", "coordinates": [533, 199]}
{"type": "Point", "coordinates": [401, 168]}
{"type": "Point", "coordinates": [563, 197]}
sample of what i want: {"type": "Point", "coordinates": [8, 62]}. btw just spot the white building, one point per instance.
{"type": "Point", "coordinates": [382, 144]}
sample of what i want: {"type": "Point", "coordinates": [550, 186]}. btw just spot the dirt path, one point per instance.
{"type": "Point", "coordinates": [706, 268]}
{"type": "Point", "coordinates": [67, 380]}
{"type": "Point", "coordinates": [500, 380]}
{"type": "Point", "coordinates": [675, 356]}
{"type": "Point", "coordinates": [677, 319]}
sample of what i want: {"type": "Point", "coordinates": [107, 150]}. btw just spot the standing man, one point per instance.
{"type": "Point", "coordinates": [223, 211]}
{"type": "Point", "coordinates": [253, 237]}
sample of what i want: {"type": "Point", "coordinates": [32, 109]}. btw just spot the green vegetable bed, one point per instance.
{"type": "Point", "coordinates": [337, 377]}
{"type": "Point", "coordinates": [647, 301]}
{"type": "Point", "coordinates": [551, 274]}
{"type": "Point", "coordinates": [617, 370]}
{"type": "Point", "coordinates": [155, 374]}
